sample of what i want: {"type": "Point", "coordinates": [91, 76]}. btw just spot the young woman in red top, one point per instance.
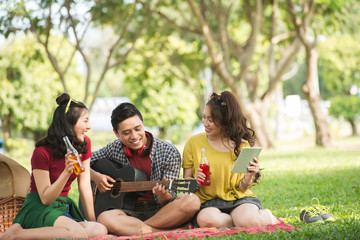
{"type": "Point", "coordinates": [48, 212]}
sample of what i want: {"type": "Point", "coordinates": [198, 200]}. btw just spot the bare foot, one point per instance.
{"type": "Point", "coordinates": [274, 220]}
{"type": "Point", "coordinates": [187, 225]}
{"type": "Point", "coordinates": [11, 232]}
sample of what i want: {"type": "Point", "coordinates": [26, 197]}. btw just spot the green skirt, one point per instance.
{"type": "Point", "coordinates": [34, 214]}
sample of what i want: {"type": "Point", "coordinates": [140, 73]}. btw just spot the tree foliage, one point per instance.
{"type": "Point", "coordinates": [339, 59]}
{"type": "Point", "coordinates": [29, 86]}
{"type": "Point", "coordinates": [348, 107]}
{"type": "Point", "coordinates": [72, 20]}
{"type": "Point", "coordinates": [155, 51]}
{"type": "Point", "coordinates": [161, 84]}
{"type": "Point", "coordinates": [310, 19]}
{"type": "Point", "coordinates": [248, 48]}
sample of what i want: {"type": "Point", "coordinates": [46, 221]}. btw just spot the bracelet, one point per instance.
{"type": "Point", "coordinates": [245, 186]}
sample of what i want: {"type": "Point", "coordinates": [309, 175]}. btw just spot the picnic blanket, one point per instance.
{"type": "Point", "coordinates": [199, 233]}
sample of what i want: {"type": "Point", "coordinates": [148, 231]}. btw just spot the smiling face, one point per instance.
{"type": "Point", "coordinates": [132, 133]}
{"type": "Point", "coordinates": [82, 125]}
{"type": "Point", "coordinates": [210, 128]}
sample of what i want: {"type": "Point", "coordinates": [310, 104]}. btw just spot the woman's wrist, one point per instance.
{"type": "Point", "coordinates": [246, 182]}
{"type": "Point", "coordinates": [245, 185]}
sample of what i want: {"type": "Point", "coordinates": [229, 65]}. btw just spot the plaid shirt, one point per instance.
{"type": "Point", "coordinates": [165, 159]}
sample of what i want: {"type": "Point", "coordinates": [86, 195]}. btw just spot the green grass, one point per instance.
{"type": "Point", "coordinates": [293, 179]}
{"type": "Point", "coordinates": [296, 172]}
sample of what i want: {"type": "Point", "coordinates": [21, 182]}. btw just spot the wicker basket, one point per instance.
{"type": "Point", "coordinates": [12, 190]}
{"type": "Point", "coordinates": [9, 207]}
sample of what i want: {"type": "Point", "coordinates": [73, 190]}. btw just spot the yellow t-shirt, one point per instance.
{"type": "Point", "coordinates": [224, 184]}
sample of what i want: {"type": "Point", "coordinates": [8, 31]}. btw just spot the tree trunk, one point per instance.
{"type": "Point", "coordinates": [162, 133]}
{"type": "Point", "coordinates": [6, 129]}
{"type": "Point", "coordinates": [353, 127]}
{"type": "Point", "coordinates": [311, 92]}
{"type": "Point", "coordinates": [256, 112]}
{"type": "Point", "coordinates": [258, 123]}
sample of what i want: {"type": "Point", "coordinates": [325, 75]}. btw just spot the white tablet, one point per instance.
{"type": "Point", "coordinates": [246, 155]}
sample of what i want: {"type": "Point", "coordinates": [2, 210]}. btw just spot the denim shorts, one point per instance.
{"type": "Point", "coordinates": [227, 206]}
{"type": "Point", "coordinates": [67, 214]}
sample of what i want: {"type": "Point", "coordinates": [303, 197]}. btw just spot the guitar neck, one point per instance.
{"type": "Point", "coordinates": [141, 185]}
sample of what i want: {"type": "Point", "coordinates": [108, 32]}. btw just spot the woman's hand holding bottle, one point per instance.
{"type": "Point", "coordinates": [69, 163]}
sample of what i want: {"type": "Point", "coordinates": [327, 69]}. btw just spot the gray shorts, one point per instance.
{"type": "Point", "coordinates": [143, 210]}
{"type": "Point", "coordinates": [227, 206]}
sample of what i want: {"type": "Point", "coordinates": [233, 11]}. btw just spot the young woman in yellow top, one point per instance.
{"type": "Point", "coordinates": [227, 202]}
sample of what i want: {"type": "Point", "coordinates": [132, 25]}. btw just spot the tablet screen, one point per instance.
{"type": "Point", "coordinates": [246, 155]}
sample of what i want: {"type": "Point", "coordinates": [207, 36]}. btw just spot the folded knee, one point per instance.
{"type": "Point", "coordinates": [101, 230]}
{"type": "Point", "coordinates": [108, 216]}
{"type": "Point", "coordinates": [206, 221]}
{"type": "Point", "coordinates": [96, 229]}
{"type": "Point", "coordinates": [191, 203]}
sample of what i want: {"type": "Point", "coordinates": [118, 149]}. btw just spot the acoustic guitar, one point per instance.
{"type": "Point", "coordinates": [130, 184]}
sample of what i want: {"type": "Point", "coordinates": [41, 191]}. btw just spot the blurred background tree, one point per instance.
{"type": "Point", "coordinates": [72, 20]}
{"type": "Point", "coordinates": [29, 88]}
{"type": "Point", "coordinates": [248, 49]}
{"type": "Point", "coordinates": [168, 56]}
{"type": "Point", "coordinates": [348, 107]}
{"type": "Point", "coordinates": [340, 57]}
{"type": "Point", "coordinates": [161, 83]}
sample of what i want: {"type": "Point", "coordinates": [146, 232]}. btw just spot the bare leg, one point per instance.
{"type": "Point", "coordinates": [213, 217]}
{"type": "Point", "coordinates": [10, 233]}
{"type": "Point", "coordinates": [94, 229]}
{"type": "Point", "coordinates": [120, 224]}
{"type": "Point", "coordinates": [249, 215]}
{"type": "Point", "coordinates": [175, 213]}
{"type": "Point", "coordinates": [267, 217]}
{"type": "Point", "coordinates": [64, 227]}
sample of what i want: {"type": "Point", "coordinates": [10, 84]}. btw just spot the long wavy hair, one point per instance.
{"type": "Point", "coordinates": [64, 119]}
{"type": "Point", "coordinates": [228, 116]}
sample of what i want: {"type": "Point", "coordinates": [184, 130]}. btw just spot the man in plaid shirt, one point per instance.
{"type": "Point", "coordinates": [158, 209]}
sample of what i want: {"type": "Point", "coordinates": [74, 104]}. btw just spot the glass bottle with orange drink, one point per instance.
{"type": "Point", "coordinates": [205, 168]}
{"type": "Point", "coordinates": [78, 167]}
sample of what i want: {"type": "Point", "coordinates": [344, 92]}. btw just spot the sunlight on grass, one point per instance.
{"type": "Point", "coordinates": [293, 178]}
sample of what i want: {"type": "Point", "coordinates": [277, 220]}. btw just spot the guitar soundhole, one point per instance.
{"type": "Point", "coordinates": [115, 191]}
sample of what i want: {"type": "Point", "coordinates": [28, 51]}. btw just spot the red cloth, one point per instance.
{"type": "Point", "coordinates": [199, 233]}
{"type": "Point", "coordinates": [43, 159]}
{"type": "Point", "coordinates": [143, 163]}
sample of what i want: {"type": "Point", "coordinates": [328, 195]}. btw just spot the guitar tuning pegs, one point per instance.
{"type": "Point", "coordinates": [186, 193]}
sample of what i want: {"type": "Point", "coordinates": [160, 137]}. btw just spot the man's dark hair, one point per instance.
{"type": "Point", "coordinates": [122, 112]}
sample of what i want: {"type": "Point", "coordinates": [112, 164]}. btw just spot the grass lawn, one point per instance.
{"type": "Point", "coordinates": [297, 172]}
{"type": "Point", "coordinates": [294, 173]}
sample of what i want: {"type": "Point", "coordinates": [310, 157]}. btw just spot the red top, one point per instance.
{"type": "Point", "coordinates": [144, 164]}
{"type": "Point", "coordinates": [43, 159]}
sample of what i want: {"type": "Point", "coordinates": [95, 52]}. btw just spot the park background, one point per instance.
{"type": "Point", "coordinates": [292, 64]}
